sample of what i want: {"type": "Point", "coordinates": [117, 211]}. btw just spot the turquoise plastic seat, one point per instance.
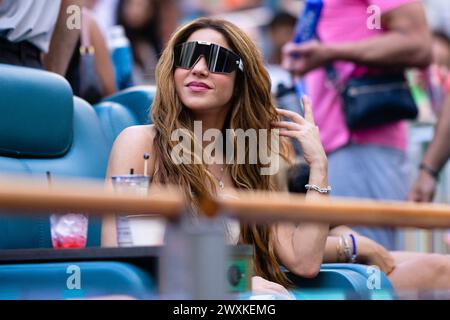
{"type": "Point", "coordinates": [377, 283]}
{"type": "Point", "coordinates": [136, 99]}
{"type": "Point", "coordinates": [75, 280]}
{"type": "Point", "coordinates": [44, 128]}
{"type": "Point", "coordinates": [114, 118]}
{"type": "Point", "coordinates": [124, 109]}
{"type": "Point", "coordinates": [339, 281]}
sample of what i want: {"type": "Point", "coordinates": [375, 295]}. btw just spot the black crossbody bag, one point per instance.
{"type": "Point", "coordinates": [371, 101]}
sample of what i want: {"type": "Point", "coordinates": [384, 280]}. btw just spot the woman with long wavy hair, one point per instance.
{"type": "Point", "coordinates": [211, 73]}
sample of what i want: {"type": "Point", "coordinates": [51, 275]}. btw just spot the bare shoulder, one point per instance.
{"type": "Point", "coordinates": [129, 148]}
{"type": "Point", "coordinates": [137, 135]}
{"type": "Point", "coordinates": [135, 139]}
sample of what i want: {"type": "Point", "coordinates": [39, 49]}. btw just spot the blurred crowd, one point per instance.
{"type": "Point", "coordinates": [148, 24]}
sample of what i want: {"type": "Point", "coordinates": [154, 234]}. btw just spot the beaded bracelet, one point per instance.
{"type": "Point", "coordinates": [353, 258]}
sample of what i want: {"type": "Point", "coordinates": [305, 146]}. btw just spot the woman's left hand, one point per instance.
{"type": "Point", "coordinates": [305, 131]}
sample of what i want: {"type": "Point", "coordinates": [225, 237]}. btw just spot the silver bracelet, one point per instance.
{"type": "Point", "coordinates": [347, 249]}
{"type": "Point", "coordinates": [314, 187]}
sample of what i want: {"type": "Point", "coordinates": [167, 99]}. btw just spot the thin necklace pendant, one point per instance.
{"type": "Point", "coordinates": [219, 179]}
{"type": "Point", "coordinates": [221, 183]}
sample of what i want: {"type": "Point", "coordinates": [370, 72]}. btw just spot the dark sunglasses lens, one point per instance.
{"type": "Point", "coordinates": [218, 58]}
{"type": "Point", "coordinates": [186, 55]}
{"type": "Point", "coordinates": [221, 60]}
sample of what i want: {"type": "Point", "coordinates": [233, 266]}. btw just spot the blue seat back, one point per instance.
{"type": "Point", "coordinates": [339, 281]}
{"type": "Point", "coordinates": [47, 130]}
{"type": "Point", "coordinates": [114, 118]}
{"type": "Point", "coordinates": [74, 280]}
{"type": "Point", "coordinates": [125, 109]}
{"type": "Point", "coordinates": [376, 282]}
{"type": "Point", "coordinates": [136, 99]}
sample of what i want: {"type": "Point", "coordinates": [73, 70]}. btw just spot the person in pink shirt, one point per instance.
{"type": "Point", "coordinates": [370, 162]}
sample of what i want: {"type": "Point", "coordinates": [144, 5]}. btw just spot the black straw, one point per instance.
{"type": "Point", "coordinates": [49, 178]}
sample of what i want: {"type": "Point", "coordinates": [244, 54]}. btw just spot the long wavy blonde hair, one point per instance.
{"type": "Point", "coordinates": [252, 107]}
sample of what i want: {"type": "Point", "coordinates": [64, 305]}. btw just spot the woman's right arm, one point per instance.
{"type": "Point", "coordinates": [301, 246]}
{"type": "Point", "coordinates": [127, 153]}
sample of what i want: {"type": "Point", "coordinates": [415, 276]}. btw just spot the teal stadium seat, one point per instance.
{"type": "Point", "coordinates": [136, 99]}
{"type": "Point", "coordinates": [343, 281]}
{"type": "Point", "coordinates": [127, 108]}
{"type": "Point", "coordinates": [44, 128]}
{"type": "Point", "coordinates": [76, 280]}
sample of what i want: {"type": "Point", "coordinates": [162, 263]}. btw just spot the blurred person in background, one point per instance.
{"type": "Point", "coordinates": [192, 9]}
{"type": "Point", "coordinates": [436, 156]}
{"type": "Point", "coordinates": [441, 50]}
{"type": "Point", "coordinates": [280, 30]}
{"type": "Point", "coordinates": [438, 13]}
{"type": "Point", "coordinates": [141, 21]}
{"type": "Point", "coordinates": [439, 72]}
{"type": "Point", "coordinates": [29, 29]}
{"type": "Point", "coordinates": [104, 12]}
{"type": "Point", "coordinates": [221, 6]}
{"type": "Point", "coordinates": [90, 71]}
{"type": "Point", "coordinates": [429, 86]}
{"type": "Point", "coordinates": [234, 5]}
{"type": "Point", "coordinates": [438, 152]}
{"type": "Point", "coordinates": [170, 18]}
{"type": "Point", "coordinates": [365, 163]}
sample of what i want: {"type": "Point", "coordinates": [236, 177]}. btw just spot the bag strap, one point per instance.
{"type": "Point", "coordinates": [86, 47]}
{"type": "Point", "coordinates": [333, 80]}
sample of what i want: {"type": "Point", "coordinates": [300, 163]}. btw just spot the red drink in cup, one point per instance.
{"type": "Point", "coordinates": [69, 230]}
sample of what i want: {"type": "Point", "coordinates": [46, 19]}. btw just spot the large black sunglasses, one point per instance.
{"type": "Point", "coordinates": [219, 59]}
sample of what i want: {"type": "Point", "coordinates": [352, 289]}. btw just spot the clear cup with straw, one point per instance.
{"type": "Point", "coordinates": [68, 230]}
{"type": "Point", "coordinates": [142, 229]}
